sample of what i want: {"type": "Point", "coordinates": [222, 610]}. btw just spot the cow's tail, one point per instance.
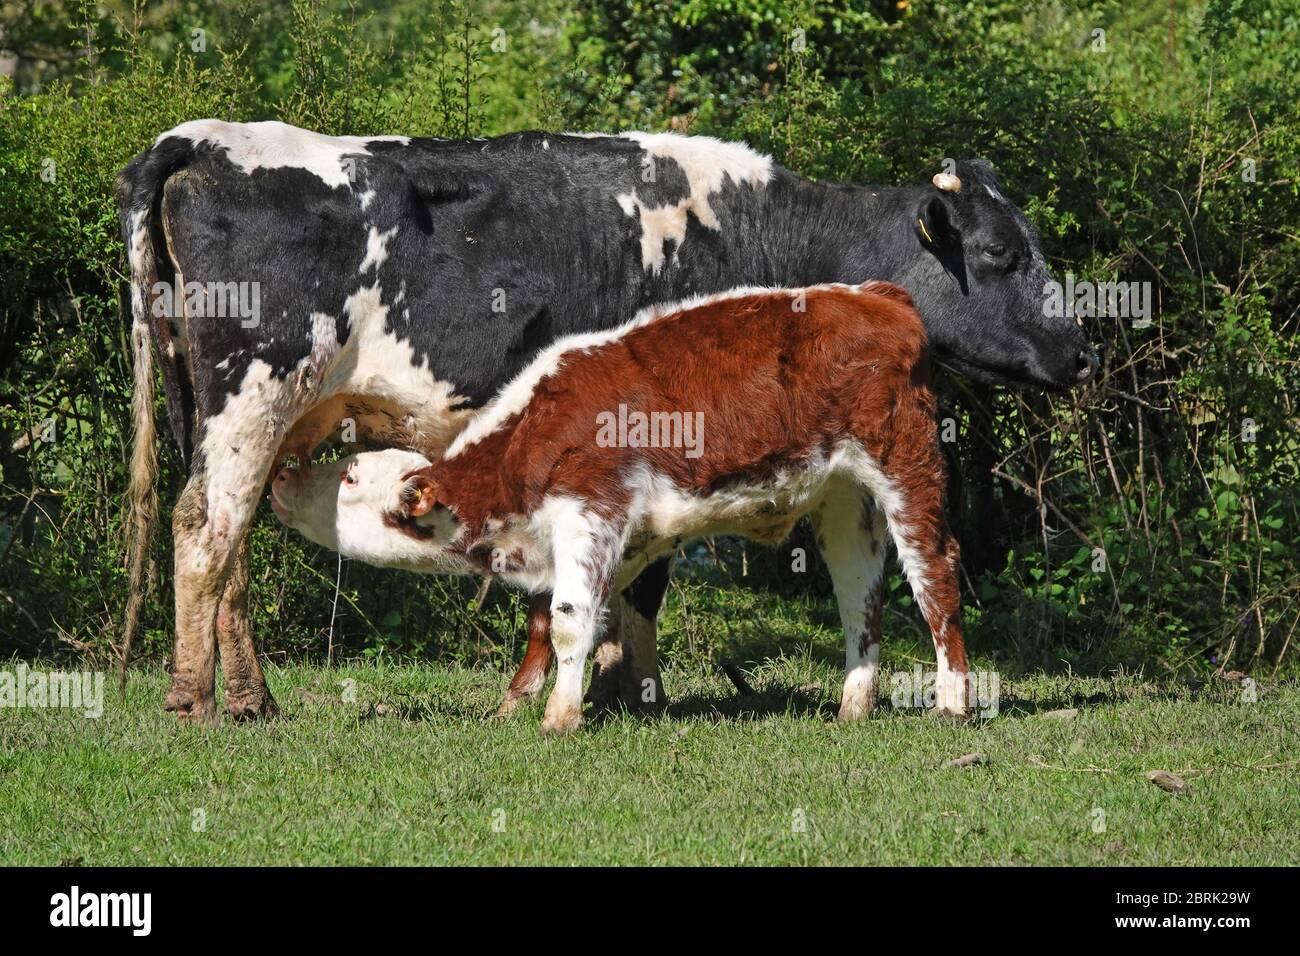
{"type": "Point", "coordinates": [139, 196]}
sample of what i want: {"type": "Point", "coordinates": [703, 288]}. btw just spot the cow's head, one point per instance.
{"type": "Point", "coordinates": [981, 283]}
{"type": "Point", "coordinates": [379, 507]}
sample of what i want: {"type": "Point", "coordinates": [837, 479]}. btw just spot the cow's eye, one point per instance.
{"type": "Point", "coordinates": [348, 478]}
{"type": "Point", "coordinates": [995, 251]}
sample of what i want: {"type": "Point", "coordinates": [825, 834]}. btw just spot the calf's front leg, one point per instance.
{"type": "Point", "coordinates": [851, 536]}
{"type": "Point", "coordinates": [585, 551]}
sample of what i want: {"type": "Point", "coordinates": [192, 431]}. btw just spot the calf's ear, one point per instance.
{"type": "Point", "coordinates": [419, 494]}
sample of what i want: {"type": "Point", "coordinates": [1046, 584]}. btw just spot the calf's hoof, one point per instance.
{"type": "Point", "coordinates": [564, 721]}
{"type": "Point", "coordinates": [510, 704]}
{"type": "Point", "coordinates": [254, 703]}
{"type": "Point", "coordinates": [855, 708]}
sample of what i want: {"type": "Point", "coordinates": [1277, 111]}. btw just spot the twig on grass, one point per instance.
{"type": "Point", "coordinates": [1047, 766]}
{"type": "Point", "coordinates": [737, 677]}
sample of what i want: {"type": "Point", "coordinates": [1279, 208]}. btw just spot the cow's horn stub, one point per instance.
{"type": "Point", "coordinates": [947, 182]}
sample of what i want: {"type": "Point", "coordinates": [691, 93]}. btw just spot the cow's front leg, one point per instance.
{"type": "Point", "coordinates": [247, 696]}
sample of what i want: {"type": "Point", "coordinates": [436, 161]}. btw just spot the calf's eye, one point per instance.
{"type": "Point", "coordinates": [348, 478]}
{"type": "Point", "coordinates": [996, 251]}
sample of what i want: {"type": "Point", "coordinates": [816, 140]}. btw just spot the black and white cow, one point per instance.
{"type": "Point", "coordinates": [295, 287]}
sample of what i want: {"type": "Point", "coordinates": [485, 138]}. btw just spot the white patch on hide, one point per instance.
{"type": "Point", "coordinates": [273, 145]}
{"type": "Point", "coordinates": [377, 363]}
{"type": "Point", "coordinates": [376, 249]}
{"type": "Point", "coordinates": [707, 163]}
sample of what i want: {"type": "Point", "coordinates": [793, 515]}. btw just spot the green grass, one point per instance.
{"type": "Point", "coordinates": [720, 779]}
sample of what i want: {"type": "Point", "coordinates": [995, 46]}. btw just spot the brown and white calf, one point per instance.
{"type": "Point", "coordinates": [799, 402]}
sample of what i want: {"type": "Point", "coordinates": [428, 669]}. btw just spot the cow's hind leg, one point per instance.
{"type": "Point", "coordinates": [247, 696]}
{"type": "Point", "coordinates": [209, 525]}
{"type": "Point", "coordinates": [200, 577]}
{"type": "Point", "coordinates": [851, 536]}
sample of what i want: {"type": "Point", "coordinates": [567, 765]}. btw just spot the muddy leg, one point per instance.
{"type": "Point", "coordinates": [247, 696]}
{"type": "Point", "coordinates": [200, 577]}
{"type": "Point", "coordinates": [209, 525]}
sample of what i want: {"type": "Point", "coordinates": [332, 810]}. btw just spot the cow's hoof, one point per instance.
{"type": "Point", "coordinates": [562, 722]}
{"type": "Point", "coordinates": [252, 704]}
{"type": "Point", "coordinates": [190, 706]}
{"type": "Point", "coordinates": [602, 698]}
{"type": "Point", "coordinates": [199, 711]}
{"type": "Point", "coordinates": [649, 708]}
{"type": "Point", "coordinates": [855, 708]}
{"type": "Point", "coordinates": [644, 695]}
{"type": "Point", "coordinates": [955, 714]}
{"type": "Point", "coordinates": [603, 689]}
{"type": "Point", "coordinates": [628, 701]}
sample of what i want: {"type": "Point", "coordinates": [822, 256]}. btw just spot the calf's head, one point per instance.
{"type": "Point", "coordinates": [379, 507]}
{"type": "Point", "coordinates": [981, 282]}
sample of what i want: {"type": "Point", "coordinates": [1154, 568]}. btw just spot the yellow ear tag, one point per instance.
{"type": "Point", "coordinates": [923, 231]}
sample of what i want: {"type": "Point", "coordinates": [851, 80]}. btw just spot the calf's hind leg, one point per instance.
{"type": "Point", "coordinates": [851, 536]}
{"type": "Point", "coordinates": [914, 511]}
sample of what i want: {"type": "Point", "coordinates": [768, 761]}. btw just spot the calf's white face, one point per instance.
{"type": "Point", "coordinates": [342, 506]}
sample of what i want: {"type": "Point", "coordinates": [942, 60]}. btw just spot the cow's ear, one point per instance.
{"type": "Point", "coordinates": [934, 224]}
{"type": "Point", "coordinates": [419, 495]}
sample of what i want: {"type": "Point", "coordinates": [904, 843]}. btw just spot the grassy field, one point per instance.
{"type": "Point", "coordinates": [766, 778]}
